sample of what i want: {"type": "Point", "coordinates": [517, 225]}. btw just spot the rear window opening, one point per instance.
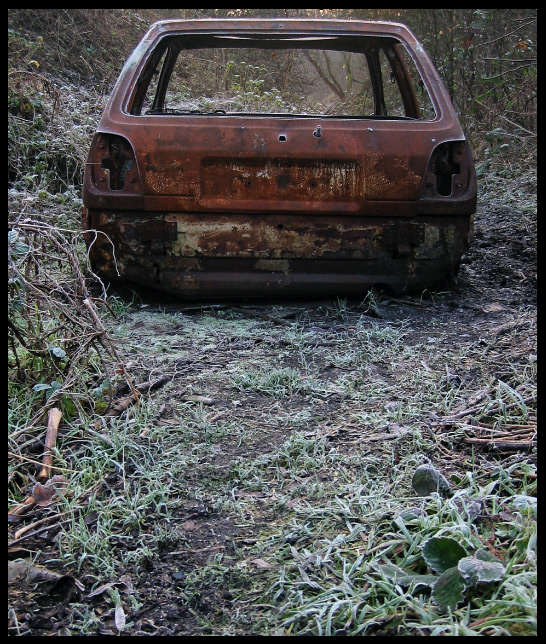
{"type": "Point", "coordinates": [282, 77]}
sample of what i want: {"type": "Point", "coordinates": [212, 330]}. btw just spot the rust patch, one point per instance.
{"type": "Point", "coordinates": [281, 179]}
{"type": "Point", "coordinates": [224, 256]}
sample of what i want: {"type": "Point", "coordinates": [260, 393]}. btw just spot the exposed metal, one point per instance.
{"type": "Point", "coordinates": [220, 205]}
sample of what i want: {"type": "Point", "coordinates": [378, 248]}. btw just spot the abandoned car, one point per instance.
{"type": "Point", "coordinates": [278, 157]}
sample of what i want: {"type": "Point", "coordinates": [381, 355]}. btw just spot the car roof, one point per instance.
{"type": "Point", "coordinates": [279, 25]}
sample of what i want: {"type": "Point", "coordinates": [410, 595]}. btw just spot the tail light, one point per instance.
{"type": "Point", "coordinates": [112, 166]}
{"type": "Point", "coordinates": [449, 172]}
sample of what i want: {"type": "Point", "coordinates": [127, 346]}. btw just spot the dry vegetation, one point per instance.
{"type": "Point", "coordinates": [247, 469]}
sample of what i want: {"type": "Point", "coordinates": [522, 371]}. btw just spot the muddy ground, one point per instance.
{"type": "Point", "coordinates": [493, 300]}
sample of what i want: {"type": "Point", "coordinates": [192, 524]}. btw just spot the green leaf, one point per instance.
{"type": "Point", "coordinates": [52, 389]}
{"type": "Point", "coordinates": [69, 409]}
{"type": "Point", "coordinates": [442, 553]}
{"type": "Point", "coordinates": [41, 386]}
{"type": "Point", "coordinates": [427, 480]}
{"type": "Point", "coordinates": [410, 514]}
{"type": "Point", "coordinates": [482, 566]}
{"type": "Point", "coordinates": [405, 577]}
{"type": "Point", "coordinates": [101, 406]}
{"type": "Point", "coordinates": [19, 249]}
{"type": "Point", "coordinates": [57, 352]}
{"type": "Point", "coordinates": [525, 503]}
{"type": "Point", "coordinates": [481, 169]}
{"type": "Point", "coordinates": [448, 591]}
{"type": "Point", "coordinates": [471, 507]}
{"type": "Point", "coordinates": [484, 555]}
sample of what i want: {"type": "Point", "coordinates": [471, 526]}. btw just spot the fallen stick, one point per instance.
{"type": "Point", "coordinates": [399, 301]}
{"type": "Point", "coordinates": [46, 528]}
{"type": "Point", "coordinates": [500, 445]}
{"type": "Point", "coordinates": [53, 420]}
{"type": "Point", "coordinates": [502, 431]}
{"type": "Point", "coordinates": [150, 386]}
{"type": "Point", "coordinates": [122, 405]}
{"type": "Point", "coordinates": [21, 508]}
{"type": "Point", "coordinates": [34, 525]}
{"type": "Point", "coordinates": [31, 460]}
{"type": "Point", "coordinates": [506, 427]}
{"type": "Point", "coordinates": [25, 533]}
{"type": "Point", "coordinates": [494, 436]}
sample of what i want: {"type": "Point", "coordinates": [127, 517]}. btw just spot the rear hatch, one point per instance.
{"type": "Point", "coordinates": [269, 165]}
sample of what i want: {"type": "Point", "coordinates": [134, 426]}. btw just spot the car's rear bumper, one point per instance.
{"type": "Point", "coordinates": [198, 256]}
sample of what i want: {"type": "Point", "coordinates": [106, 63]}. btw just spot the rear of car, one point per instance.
{"type": "Point", "coordinates": [278, 157]}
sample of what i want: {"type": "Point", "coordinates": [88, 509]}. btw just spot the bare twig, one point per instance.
{"type": "Point", "coordinates": [53, 420]}
{"type": "Point", "coordinates": [89, 305]}
{"type": "Point", "coordinates": [28, 535]}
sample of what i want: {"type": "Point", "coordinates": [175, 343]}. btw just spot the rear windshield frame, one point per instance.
{"type": "Point", "coordinates": [169, 47]}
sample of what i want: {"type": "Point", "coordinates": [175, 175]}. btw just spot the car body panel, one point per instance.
{"type": "Point", "coordinates": [228, 205]}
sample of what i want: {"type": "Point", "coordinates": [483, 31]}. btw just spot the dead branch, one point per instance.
{"type": "Point", "coordinates": [33, 526]}
{"type": "Point", "coordinates": [53, 420]}
{"type": "Point", "coordinates": [501, 445]}
{"type": "Point", "coordinates": [90, 307]}
{"type": "Point", "coordinates": [28, 535]}
{"type": "Point", "coordinates": [20, 457]}
{"type": "Point", "coordinates": [204, 400]}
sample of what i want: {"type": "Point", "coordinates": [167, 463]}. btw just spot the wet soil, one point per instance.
{"type": "Point", "coordinates": [494, 298]}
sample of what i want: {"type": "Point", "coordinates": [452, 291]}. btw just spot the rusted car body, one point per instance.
{"type": "Point", "coordinates": [205, 180]}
